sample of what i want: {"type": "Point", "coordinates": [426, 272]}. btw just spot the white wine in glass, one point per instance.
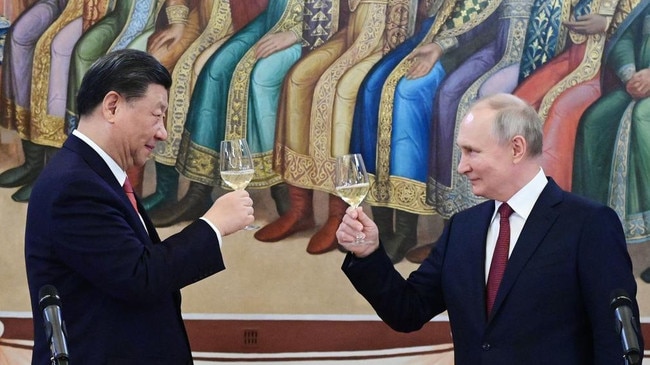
{"type": "Point", "coordinates": [237, 180]}
{"type": "Point", "coordinates": [351, 181]}
{"type": "Point", "coordinates": [236, 166]}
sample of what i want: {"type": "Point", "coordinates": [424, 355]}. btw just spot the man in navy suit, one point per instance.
{"type": "Point", "coordinates": [566, 258]}
{"type": "Point", "coordinates": [119, 283]}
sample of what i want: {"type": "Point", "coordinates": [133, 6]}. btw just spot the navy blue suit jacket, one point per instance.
{"type": "Point", "coordinates": [119, 284]}
{"type": "Point", "coordinates": [553, 304]}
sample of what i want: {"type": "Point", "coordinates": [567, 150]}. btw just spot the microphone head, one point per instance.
{"type": "Point", "coordinates": [619, 298]}
{"type": "Point", "coordinates": [48, 295]}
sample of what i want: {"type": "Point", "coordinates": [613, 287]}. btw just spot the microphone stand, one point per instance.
{"type": "Point", "coordinates": [61, 361]}
{"type": "Point", "coordinates": [627, 361]}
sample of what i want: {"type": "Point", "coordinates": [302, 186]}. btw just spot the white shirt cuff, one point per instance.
{"type": "Point", "coordinates": [214, 228]}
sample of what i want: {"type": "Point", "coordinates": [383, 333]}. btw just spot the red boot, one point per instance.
{"type": "Point", "coordinates": [325, 239]}
{"type": "Point", "coordinates": [298, 218]}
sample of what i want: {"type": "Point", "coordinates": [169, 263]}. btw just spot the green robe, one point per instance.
{"type": "Point", "coordinates": [612, 153]}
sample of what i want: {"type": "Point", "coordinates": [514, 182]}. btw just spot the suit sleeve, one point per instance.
{"type": "Point", "coordinates": [93, 234]}
{"type": "Point", "coordinates": [404, 304]}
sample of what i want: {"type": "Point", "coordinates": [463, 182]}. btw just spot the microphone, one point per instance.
{"type": "Point", "coordinates": [50, 305]}
{"type": "Point", "coordinates": [626, 326]}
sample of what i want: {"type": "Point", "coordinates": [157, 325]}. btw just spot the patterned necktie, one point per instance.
{"type": "Point", "coordinates": [500, 257]}
{"type": "Point", "coordinates": [128, 189]}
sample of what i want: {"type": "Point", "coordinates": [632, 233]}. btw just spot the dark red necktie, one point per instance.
{"type": "Point", "coordinates": [500, 257]}
{"type": "Point", "coordinates": [128, 189]}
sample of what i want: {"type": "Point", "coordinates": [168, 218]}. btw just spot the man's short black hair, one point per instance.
{"type": "Point", "coordinates": [128, 72]}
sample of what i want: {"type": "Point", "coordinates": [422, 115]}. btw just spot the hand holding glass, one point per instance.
{"type": "Point", "coordinates": [236, 166]}
{"type": "Point", "coordinates": [351, 180]}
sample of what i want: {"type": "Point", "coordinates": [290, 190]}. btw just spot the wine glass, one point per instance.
{"type": "Point", "coordinates": [236, 166]}
{"type": "Point", "coordinates": [351, 181]}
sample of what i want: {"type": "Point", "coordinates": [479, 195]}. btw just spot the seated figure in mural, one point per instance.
{"type": "Point", "coordinates": [235, 96]}
{"type": "Point", "coordinates": [316, 113]}
{"type": "Point", "coordinates": [224, 19]}
{"type": "Point", "coordinates": [398, 117]}
{"type": "Point", "coordinates": [611, 150]}
{"type": "Point", "coordinates": [562, 89]}
{"type": "Point", "coordinates": [18, 59]}
{"type": "Point", "coordinates": [49, 75]}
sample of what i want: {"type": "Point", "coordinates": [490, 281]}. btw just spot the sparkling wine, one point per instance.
{"type": "Point", "coordinates": [353, 194]}
{"type": "Point", "coordinates": [237, 179]}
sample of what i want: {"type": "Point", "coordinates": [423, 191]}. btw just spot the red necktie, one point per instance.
{"type": "Point", "coordinates": [500, 257]}
{"type": "Point", "coordinates": [128, 189]}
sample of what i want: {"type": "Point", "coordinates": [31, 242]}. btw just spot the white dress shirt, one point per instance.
{"type": "Point", "coordinates": [522, 204]}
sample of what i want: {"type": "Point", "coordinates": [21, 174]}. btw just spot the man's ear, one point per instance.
{"type": "Point", "coordinates": [110, 105]}
{"type": "Point", "coordinates": [519, 147]}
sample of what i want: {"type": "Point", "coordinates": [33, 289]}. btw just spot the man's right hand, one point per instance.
{"type": "Point", "coordinates": [231, 212]}
{"type": "Point", "coordinates": [356, 224]}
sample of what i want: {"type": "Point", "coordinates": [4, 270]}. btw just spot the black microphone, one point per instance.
{"type": "Point", "coordinates": [50, 305]}
{"type": "Point", "coordinates": [626, 326]}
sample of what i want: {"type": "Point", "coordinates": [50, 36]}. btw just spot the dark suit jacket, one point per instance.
{"type": "Point", "coordinates": [119, 285]}
{"type": "Point", "coordinates": [553, 303]}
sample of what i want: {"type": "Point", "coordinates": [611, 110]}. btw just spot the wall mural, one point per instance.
{"type": "Point", "coordinates": [306, 80]}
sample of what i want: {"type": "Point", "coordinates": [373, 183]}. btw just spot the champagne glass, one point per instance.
{"type": "Point", "coordinates": [236, 166]}
{"type": "Point", "coordinates": [351, 181]}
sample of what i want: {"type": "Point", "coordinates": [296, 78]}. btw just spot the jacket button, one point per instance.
{"type": "Point", "coordinates": [486, 347]}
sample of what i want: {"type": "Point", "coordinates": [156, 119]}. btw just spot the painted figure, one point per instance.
{"type": "Point", "coordinates": [611, 148]}
{"type": "Point", "coordinates": [394, 109]}
{"type": "Point", "coordinates": [15, 93]}
{"type": "Point", "coordinates": [235, 96]}
{"type": "Point", "coordinates": [315, 120]}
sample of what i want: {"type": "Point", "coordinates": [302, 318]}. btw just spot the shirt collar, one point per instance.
{"type": "Point", "coordinates": [523, 201]}
{"type": "Point", "coordinates": [117, 171]}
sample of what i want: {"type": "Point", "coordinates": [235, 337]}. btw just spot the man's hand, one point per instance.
{"type": "Point", "coordinates": [356, 224]}
{"type": "Point", "coordinates": [165, 38]}
{"type": "Point", "coordinates": [639, 85]}
{"type": "Point", "coordinates": [588, 24]}
{"type": "Point", "coordinates": [423, 59]}
{"type": "Point", "coordinates": [271, 43]}
{"type": "Point", "coordinates": [231, 212]}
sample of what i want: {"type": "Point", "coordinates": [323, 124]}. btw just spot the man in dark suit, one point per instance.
{"type": "Point", "coordinates": [119, 283]}
{"type": "Point", "coordinates": [568, 255]}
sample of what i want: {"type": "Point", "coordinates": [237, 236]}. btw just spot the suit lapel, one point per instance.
{"type": "Point", "coordinates": [542, 217]}
{"type": "Point", "coordinates": [476, 253]}
{"type": "Point", "coordinates": [153, 234]}
{"type": "Point", "coordinates": [99, 166]}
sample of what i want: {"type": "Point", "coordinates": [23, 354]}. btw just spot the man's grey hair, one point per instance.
{"type": "Point", "coordinates": [515, 117]}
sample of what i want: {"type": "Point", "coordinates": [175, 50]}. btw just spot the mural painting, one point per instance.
{"type": "Point", "coordinates": [307, 80]}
